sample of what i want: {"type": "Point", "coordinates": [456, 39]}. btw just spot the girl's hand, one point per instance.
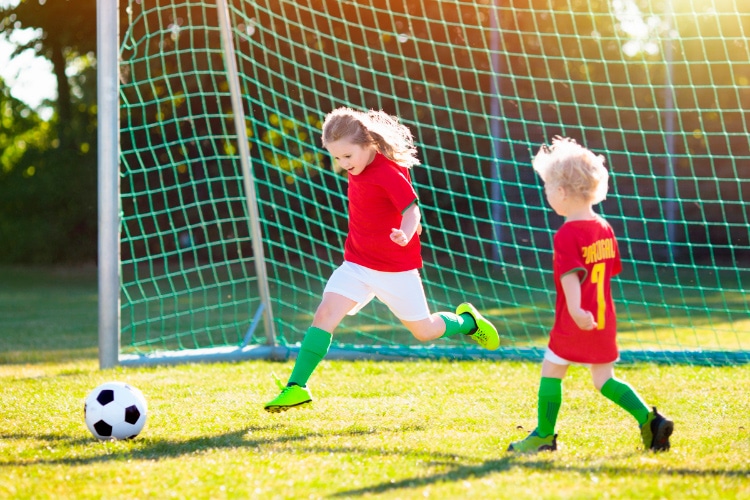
{"type": "Point", "coordinates": [399, 237]}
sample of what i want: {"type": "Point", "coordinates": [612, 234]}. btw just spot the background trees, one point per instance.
{"type": "Point", "coordinates": [48, 174]}
{"type": "Point", "coordinates": [47, 179]}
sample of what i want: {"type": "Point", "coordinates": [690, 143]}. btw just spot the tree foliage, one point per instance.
{"type": "Point", "coordinates": [67, 30]}
{"type": "Point", "coordinates": [48, 168]}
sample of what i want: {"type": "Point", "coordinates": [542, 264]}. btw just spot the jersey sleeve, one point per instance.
{"type": "Point", "coordinates": [567, 257]}
{"type": "Point", "coordinates": [399, 188]}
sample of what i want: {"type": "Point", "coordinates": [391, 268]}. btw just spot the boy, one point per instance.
{"type": "Point", "coordinates": [585, 258]}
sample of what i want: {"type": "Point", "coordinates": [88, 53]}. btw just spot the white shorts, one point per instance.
{"type": "Point", "coordinates": [554, 358]}
{"type": "Point", "coordinates": [402, 292]}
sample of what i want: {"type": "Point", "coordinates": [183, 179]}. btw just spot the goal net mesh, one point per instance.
{"type": "Point", "coordinates": [662, 94]}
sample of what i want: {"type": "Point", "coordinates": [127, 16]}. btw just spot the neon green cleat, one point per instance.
{"type": "Point", "coordinates": [656, 431]}
{"type": "Point", "coordinates": [292, 396]}
{"type": "Point", "coordinates": [486, 334]}
{"type": "Point", "coordinates": [534, 444]}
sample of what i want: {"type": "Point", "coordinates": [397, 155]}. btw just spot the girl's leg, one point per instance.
{"type": "Point", "coordinates": [466, 321]}
{"type": "Point", "coordinates": [619, 392]}
{"type": "Point", "coordinates": [435, 326]}
{"type": "Point", "coordinates": [405, 296]}
{"type": "Point", "coordinates": [317, 340]}
{"type": "Point", "coordinates": [315, 345]}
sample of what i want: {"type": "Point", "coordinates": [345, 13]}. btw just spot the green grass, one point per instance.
{"type": "Point", "coordinates": [423, 429]}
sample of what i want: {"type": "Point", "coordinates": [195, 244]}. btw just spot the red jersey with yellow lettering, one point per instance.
{"type": "Point", "coordinates": [378, 197]}
{"type": "Point", "coordinates": [589, 249]}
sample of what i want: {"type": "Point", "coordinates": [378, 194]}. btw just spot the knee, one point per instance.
{"type": "Point", "coordinates": [322, 314]}
{"type": "Point", "coordinates": [326, 318]}
{"type": "Point", "coordinates": [599, 382]}
{"type": "Point", "coordinates": [600, 374]}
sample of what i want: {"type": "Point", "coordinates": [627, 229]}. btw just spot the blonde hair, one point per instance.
{"type": "Point", "coordinates": [377, 128]}
{"type": "Point", "coordinates": [576, 169]}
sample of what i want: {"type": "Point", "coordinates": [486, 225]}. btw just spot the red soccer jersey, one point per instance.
{"type": "Point", "coordinates": [588, 248]}
{"type": "Point", "coordinates": [377, 199]}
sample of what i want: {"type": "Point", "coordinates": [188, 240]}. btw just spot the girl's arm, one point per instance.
{"type": "Point", "coordinates": [409, 226]}
{"type": "Point", "coordinates": [572, 289]}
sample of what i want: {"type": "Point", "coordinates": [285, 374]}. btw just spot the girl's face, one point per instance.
{"type": "Point", "coordinates": [351, 157]}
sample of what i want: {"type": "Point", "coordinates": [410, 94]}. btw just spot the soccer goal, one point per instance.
{"type": "Point", "coordinates": [221, 219]}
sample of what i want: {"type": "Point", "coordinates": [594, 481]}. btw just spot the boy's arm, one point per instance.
{"type": "Point", "coordinates": [572, 289]}
{"type": "Point", "coordinates": [409, 225]}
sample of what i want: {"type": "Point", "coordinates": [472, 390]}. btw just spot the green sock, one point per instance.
{"type": "Point", "coordinates": [625, 396]}
{"type": "Point", "coordinates": [550, 399]}
{"type": "Point", "coordinates": [455, 324]}
{"type": "Point", "coordinates": [314, 348]}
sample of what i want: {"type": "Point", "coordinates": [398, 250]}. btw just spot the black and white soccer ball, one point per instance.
{"type": "Point", "coordinates": [115, 410]}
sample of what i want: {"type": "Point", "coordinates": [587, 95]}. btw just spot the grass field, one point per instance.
{"type": "Point", "coordinates": [424, 429]}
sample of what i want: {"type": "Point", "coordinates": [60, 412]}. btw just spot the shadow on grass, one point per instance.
{"type": "Point", "coordinates": [460, 472]}
{"type": "Point", "coordinates": [459, 467]}
{"type": "Point", "coordinates": [153, 449]}
{"type": "Point", "coordinates": [145, 449]}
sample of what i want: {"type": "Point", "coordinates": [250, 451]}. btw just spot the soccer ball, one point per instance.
{"type": "Point", "coordinates": [115, 410]}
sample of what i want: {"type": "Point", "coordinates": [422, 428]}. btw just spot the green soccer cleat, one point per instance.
{"type": "Point", "coordinates": [292, 396]}
{"type": "Point", "coordinates": [485, 334]}
{"type": "Point", "coordinates": [534, 444]}
{"type": "Point", "coordinates": [656, 431]}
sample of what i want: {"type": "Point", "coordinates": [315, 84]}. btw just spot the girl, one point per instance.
{"type": "Point", "coordinates": [382, 252]}
{"type": "Point", "coordinates": [584, 260]}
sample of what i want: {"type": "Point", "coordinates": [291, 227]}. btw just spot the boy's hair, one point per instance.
{"type": "Point", "coordinates": [576, 169]}
{"type": "Point", "coordinates": [378, 128]}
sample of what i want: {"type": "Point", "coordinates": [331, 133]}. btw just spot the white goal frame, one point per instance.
{"type": "Point", "coordinates": [109, 220]}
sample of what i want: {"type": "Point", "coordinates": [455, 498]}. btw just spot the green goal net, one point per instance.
{"type": "Point", "coordinates": [232, 220]}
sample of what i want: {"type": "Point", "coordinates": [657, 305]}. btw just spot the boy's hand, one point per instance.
{"type": "Point", "coordinates": [399, 237]}
{"type": "Point", "coordinates": [584, 319]}
{"type": "Point", "coordinates": [572, 290]}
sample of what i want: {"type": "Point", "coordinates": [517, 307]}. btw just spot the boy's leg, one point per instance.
{"type": "Point", "coordinates": [623, 395]}
{"type": "Point", "coordinates": [655, 428]}
{"type": "Point", "coordinates": [656, 431]}
{"type": "Point", "coordinates": [548, 406]}
{"type": "Point", "coordinates": [550, 400]}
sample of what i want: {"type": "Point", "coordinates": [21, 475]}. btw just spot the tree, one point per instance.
{"type": "Point", "coordinates": [66, 32]}
{"type": "Point", "coordinates": [48, 168]}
